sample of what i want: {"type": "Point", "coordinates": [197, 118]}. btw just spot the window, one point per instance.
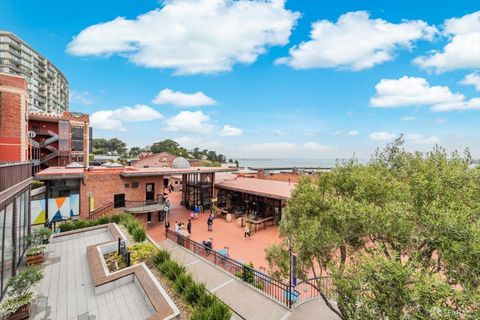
{"type": "Point", "coordinates": [134, 184]}
{"type": "Point", "coordinates": [127, 185]}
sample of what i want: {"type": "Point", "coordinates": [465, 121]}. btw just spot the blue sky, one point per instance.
{"type": "Point", "coordinates": [294, 79]}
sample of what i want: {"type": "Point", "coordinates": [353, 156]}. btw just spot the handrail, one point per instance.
{"type": "Point", "coordinates": [269, 286]}
{"type": "Point", "coordinates": [309, 289]}
{"type": "Point", "coordinates": [102, 210]}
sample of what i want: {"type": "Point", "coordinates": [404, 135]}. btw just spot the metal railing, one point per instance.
{"type": "Point", "coordinates": [310, 289]}
{"type": "Point", "coordinates": [142, 205]}
{"type": "Point", "coordinates": [101, 211]}
{"type": "Point", "coordinates": [272, 288]}
{"type": "Point", "coordinates": [13, 173]}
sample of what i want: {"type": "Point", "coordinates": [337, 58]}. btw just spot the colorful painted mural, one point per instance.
{"type": "Point", "coordinates": [58, 208]}
{"type": "Point", "coordinates": [38, 212]}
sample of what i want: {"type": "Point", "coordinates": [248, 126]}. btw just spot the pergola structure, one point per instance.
{"type": "Point", "coordinates": [198, 189]}
{"type": "Point", "coordinates": [255, 197]}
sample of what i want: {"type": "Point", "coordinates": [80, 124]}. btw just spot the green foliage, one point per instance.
{"type": "Point", "coordinates": [80, 224]}
{"type": "Point", "coordinates": [34, 251]}
{"type": "Point", "coordinates": [11, 304]}
{"type": "Point", "coordinates": [193, 292]}
{"type": "Point", "coordinates": [218, 311]}
{"type": "Point", "coordinates": [112, 146]}
{"type": "Point", "coordinates": [139, 234]}
{"type": "Point", "coordinates": [103, 220]}
{"type": "Point", "coordinates": [169, 146]}
{"type": "Point", "coordinates": [160, 257]}
{"type": "Point", "coordinates": [24, 281]}
{"type": "Point", "coordinates": [171, 269]}
{"type": "Point", "coordinates": [66, 226]}
{"type": "Point", "coordinates": [142, 252]}
{"type": "Point", "coordinates": [116, 218]}
{"type": "Point", "coordinates": [182, 282]}
{"type": "Point", "coordinates": [400, 235]}
{"type": "Point", "coordinates": [37, 184]}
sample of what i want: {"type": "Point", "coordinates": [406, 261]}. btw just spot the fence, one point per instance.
{"type": "Point", "coordinates": [13, 173]}
{"type": "Point", "coordinates": [274, 289]}
{"type": "Point", "coordinates": [309, 289]}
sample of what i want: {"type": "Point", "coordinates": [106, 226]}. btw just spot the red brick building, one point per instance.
{"type": "Point", "coordinates": [47, 140]}
{"type": "Point", "coordinates": [13, 118]}
{"type": "Point", "coordinates": [136, 190]}
{"type": "Point", "coordinates": [62, 139]}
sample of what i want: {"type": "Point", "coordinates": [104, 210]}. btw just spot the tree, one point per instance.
{"type": "Point", "coordinates": [112, 146]}
{"type": "Point", "coordinates": [399, 236]}
{"type": "Point", "coordinates": [134, 152]}
{"type": "Point", "coordinates": [169, 146]}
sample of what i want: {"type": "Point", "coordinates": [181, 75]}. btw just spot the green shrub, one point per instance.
{"type": "Point", "coordinates": [218, 311]}
{"type": "Point", "coordinates": [116, 218]}
{"type": "Point", "coordinates": [171, 269]}
{"type": "Point", "coordinates": [193, 292]}
{"type": "Point", "coordinates": [139, 234]}
{"type": "Point", "coordinates": [80, 224]}
{"type": "Point", "coordinates": [206, 300]}
{"type": "Point", "coordinates": [66, 226]}
{"type": "Point", "coordinates": [103, 220]}
{"type": "Point", "coordinates": [37, 184]}
{"type": "Point", "coordinates": [160, 257]}
{"type": "Point", "coordinates": [182, 282]}
{"type": "Point", "coordinates": [142, 252]}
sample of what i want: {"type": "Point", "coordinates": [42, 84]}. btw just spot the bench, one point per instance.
{"type": "Point", "coordinates": [265, 222]}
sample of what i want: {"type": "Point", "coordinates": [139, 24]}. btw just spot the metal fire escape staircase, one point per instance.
{"type": "Point", "coordinates": [47, 145]}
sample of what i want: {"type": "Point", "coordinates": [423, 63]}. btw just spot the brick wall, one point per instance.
{"type": "Point", "coordinates": [13, 118]}
{"type": "Point", "coordinates": [103, 186]}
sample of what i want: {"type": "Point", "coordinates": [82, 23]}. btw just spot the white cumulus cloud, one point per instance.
{"type": "Point", "coordinates": [421, 139]}
{"type": "Point", "coordinates": [349, 133]}
{"type": "Point", "coordinates": [472, 79]}
{"type": "Point", "coordinates": [229, 131]}
{"type": "Point", "coordinates": [408, 118]}
{"type": "Point", "coordinates": [412, 91]}
{"type": "Point", "coordinates": [182, 99]}
{"type": "Point", "coordinates": [192, 37]}
{"type": "Point", "coordinates": [382, 136]}
{"type": "Point", "coordinates": [80, 97]}
{"type": "Point", "coordinates": [463, 49]}
{"type": "Point", "coordinates": [189, 121]}
{"type": "Point", "coordinates": [114, 119]}
{"type": "Point", "coordinates": [355, 42]}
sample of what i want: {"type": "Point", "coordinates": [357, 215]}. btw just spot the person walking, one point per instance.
{"type": "Point", "coordinates": [210, 223]}
{"type": "Point", "coordinates": [189, 226]}
{"type": "Point", "coordinates": [177, 227]}
{"type": "Point", "coordinates": [247, 231]}
{"type": "Point", "coordinates": [167, 226]}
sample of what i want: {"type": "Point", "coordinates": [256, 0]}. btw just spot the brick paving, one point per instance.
{"type": "Point", "coordinates": [223, 234]}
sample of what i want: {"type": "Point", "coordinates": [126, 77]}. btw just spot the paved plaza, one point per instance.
{"type": "Point", "coordinates": [223, 234]}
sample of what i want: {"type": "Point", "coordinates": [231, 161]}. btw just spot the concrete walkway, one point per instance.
{"type": "Point", "coordinates": [246, 301]}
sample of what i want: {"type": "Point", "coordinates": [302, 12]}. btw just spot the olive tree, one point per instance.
{"type": "Point", "coordinates": [399, 236]}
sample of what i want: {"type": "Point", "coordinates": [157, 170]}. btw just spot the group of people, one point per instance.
{"type": "Point", "coordinates": [180, 226]}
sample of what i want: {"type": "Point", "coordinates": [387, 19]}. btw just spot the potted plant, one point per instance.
{"type": "Point", "coordinates": [35, 255]}
{"type": "Point", "coordinates": [44, 234]}
{"type": "Point", "coordinates": [16, 305]}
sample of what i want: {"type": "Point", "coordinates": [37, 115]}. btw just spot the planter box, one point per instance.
{"type": "Point", "coordinates": [21, 314]}
{"type": "Point", "coordinates": [35, 259]}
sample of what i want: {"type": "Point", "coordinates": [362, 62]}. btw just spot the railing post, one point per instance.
{"type": "Point", "coordinates": [119, 240]}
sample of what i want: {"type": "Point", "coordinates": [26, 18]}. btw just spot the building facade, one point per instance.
{"type": "Point", "coordinates": [13, 118]}
{"type": "Point", "coordinates": [47, 86]}
{"type": "Point", "coordinates": [15, 181]}
{"type": "Point", "coordinates": [62, 139]}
